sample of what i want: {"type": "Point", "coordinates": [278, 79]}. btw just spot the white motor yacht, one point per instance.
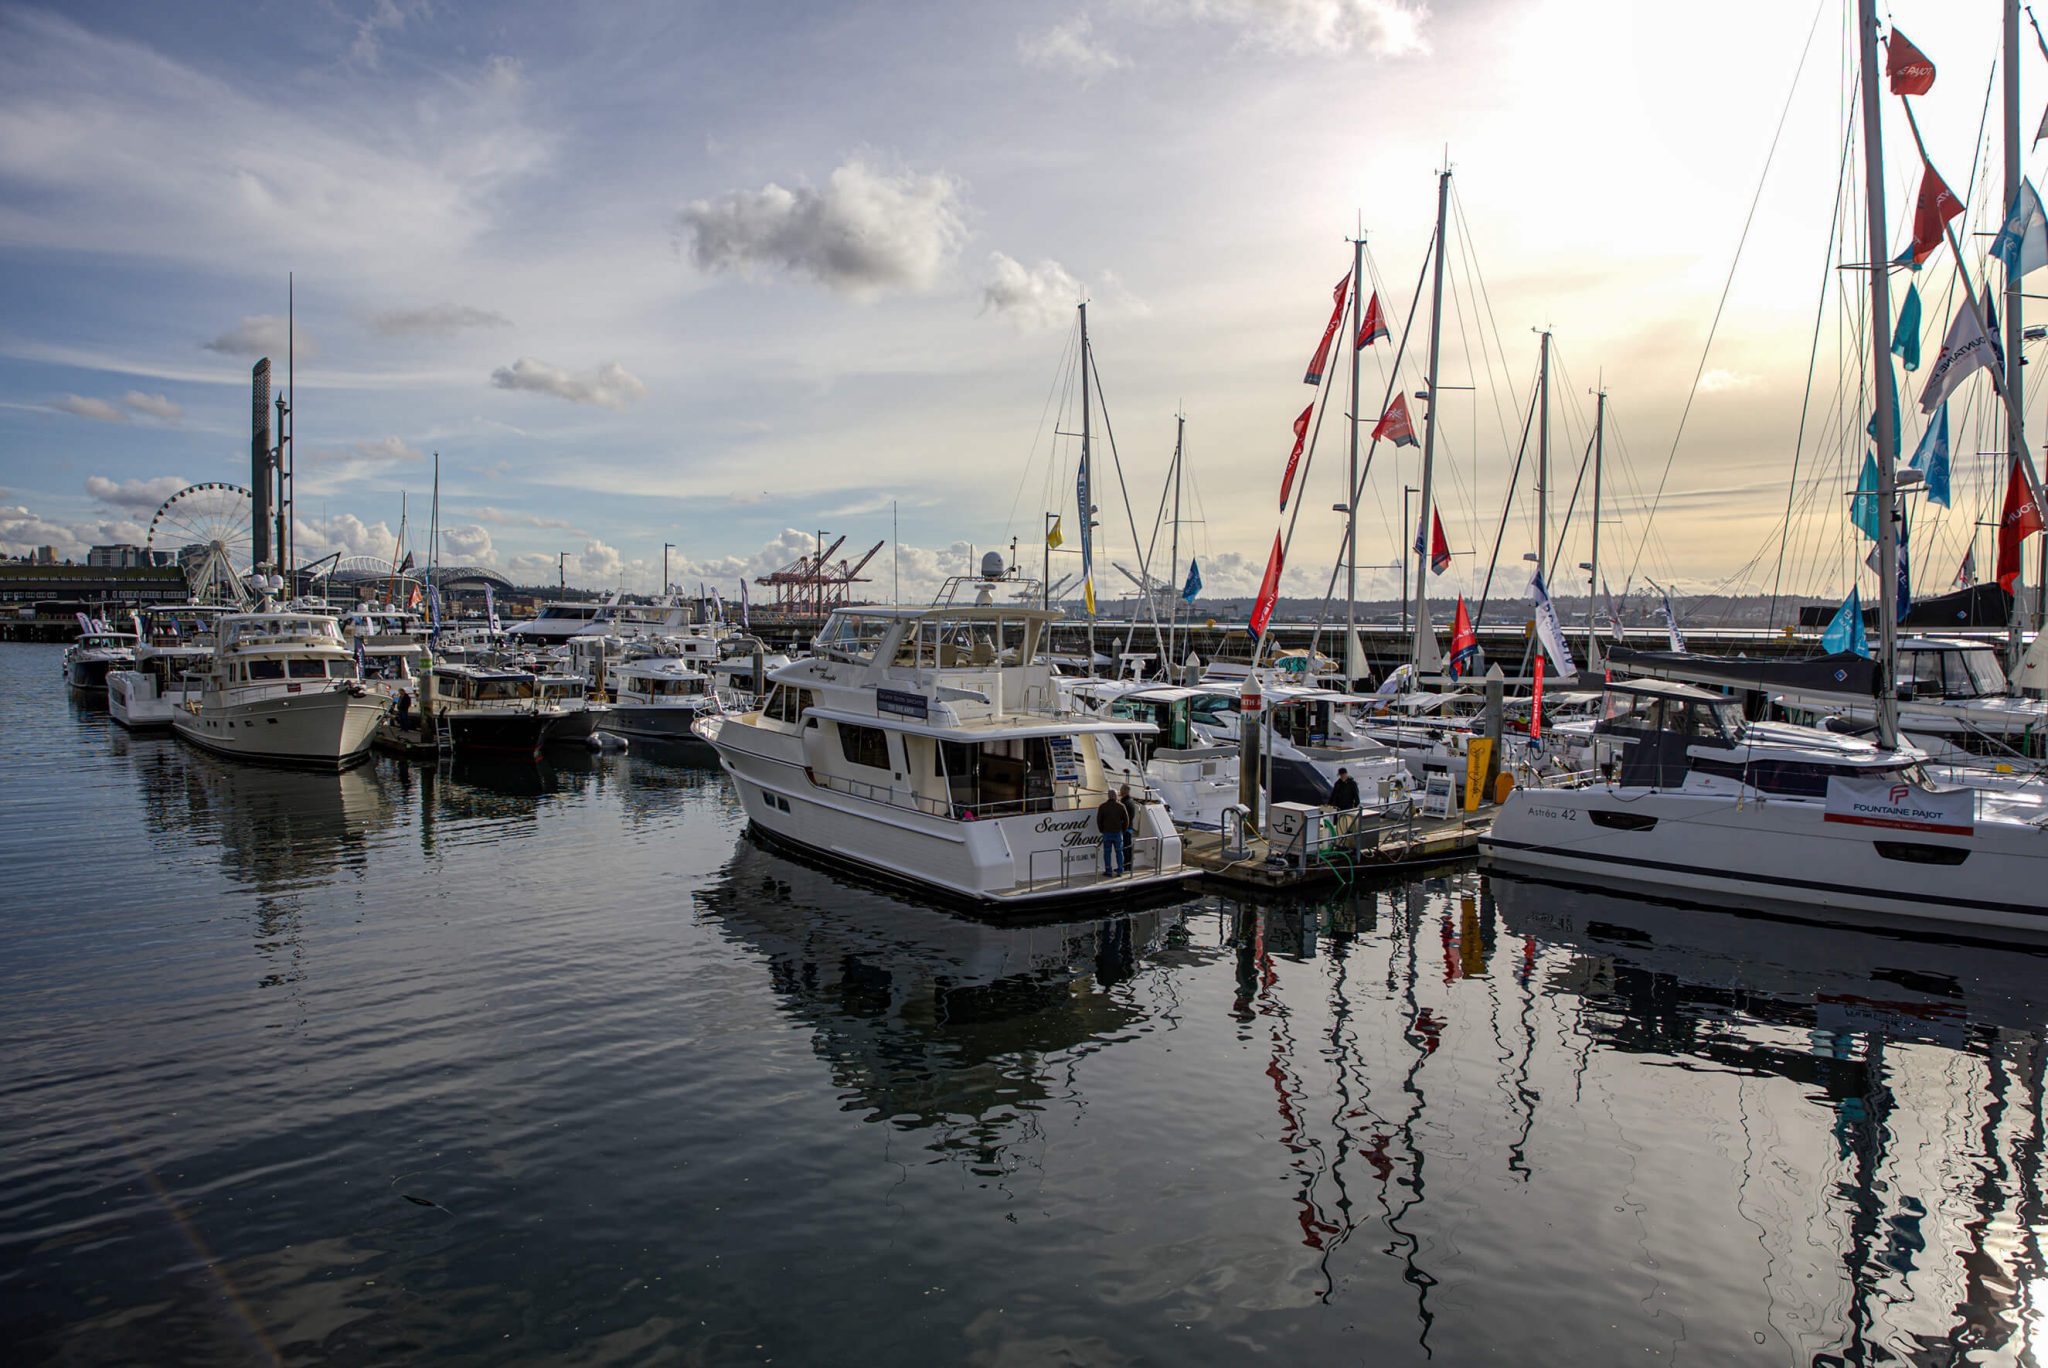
{"type": "Point", "coordinates": [928, 746]}
{"type": "Point", "coordinates": [174, 647]}
{"type": "Point", "coordinates": [282, 688]}
{"type": "Point", "coordinates": [1195, 776]}
{"type": "Point", "coordinates": [659, 699]}
{"type": "Point", "coordinates": [95, 654]}
{"type": "Point", "coordinates": [1704, 806]}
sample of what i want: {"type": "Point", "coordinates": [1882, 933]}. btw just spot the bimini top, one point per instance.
{"type": "Point", "coordinates": [1664, 688]}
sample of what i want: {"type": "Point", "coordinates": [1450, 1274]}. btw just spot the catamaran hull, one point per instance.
{"type": "Point", "coordinates": [1780, 856]}
{"type": "Point", "coordinates": [965, 861]}
{"type": "Point", "coordinates": [330, 729]}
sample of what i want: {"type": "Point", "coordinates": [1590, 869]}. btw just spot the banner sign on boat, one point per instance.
{"type": "Point", "coordinates": [900, 704]}
{"type": "Point", "coordinates": [1902, 806]}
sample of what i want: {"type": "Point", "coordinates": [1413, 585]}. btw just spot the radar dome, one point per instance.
{"type": "Point", "coordinates": [992, 565]}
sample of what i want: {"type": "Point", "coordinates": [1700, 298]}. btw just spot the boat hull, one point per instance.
{"type": "Point", "coordinates": [329, 729]}
{"type": "Point", "coordinates": [1779, 855]}
{"type": "Point", "coordinates": [133, 701]}
{"type": "Point", "coordinates": [519, 735]}
{"type": "Point", "coordinates": [674, 726]}
{"type": "Point", "coordinates": [1031, 859]}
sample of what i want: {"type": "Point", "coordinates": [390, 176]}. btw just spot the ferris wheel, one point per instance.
{"type": "Point", "coordinates": [207, 527]}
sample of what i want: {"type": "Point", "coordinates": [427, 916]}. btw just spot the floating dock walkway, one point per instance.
{"type": "Point", "coordinates": [1275, 864]}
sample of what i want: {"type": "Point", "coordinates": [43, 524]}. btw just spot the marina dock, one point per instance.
{"type": "Point", "coordinates": [1275, 864]}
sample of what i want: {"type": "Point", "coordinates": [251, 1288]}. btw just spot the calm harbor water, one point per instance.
{"type": "Point", "coordinates": [555, 1065]}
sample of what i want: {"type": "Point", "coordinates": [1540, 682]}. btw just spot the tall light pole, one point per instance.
{"type": "Point", "coordinates": [666, 547]}
{"type": "Point", "coordinates": [562, 570]}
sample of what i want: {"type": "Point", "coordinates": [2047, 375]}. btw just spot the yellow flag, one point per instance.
{"type": "Point", "coordinates": [1053, 538]}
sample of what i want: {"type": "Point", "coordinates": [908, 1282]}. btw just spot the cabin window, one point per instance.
{"type": "Point", "coordinates": [308, 669]}
{"type": "Point", "coordinates": [266, 669]}
{"type": "Point", "coordinates": [786, 704]}
{"type": "Point", "coordinates": [852, 637]}
{"type": "Point", "coordinates": [997, 777]}
{"type": "Point", "coordinates": [864, 745]}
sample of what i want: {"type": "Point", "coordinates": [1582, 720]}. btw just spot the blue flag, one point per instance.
{"type": "Point", "coordinates": [1930, 458]}
{"type": "Point", "coordinates": [1845, 631]}
{"type": "Point", "coordinates": [2022, 243]}
{"type": "Point", "coordinates": [1906, 336]}
{"type": "Point", "coordinates": [434, 613]}
{"type": "Point", "coordinates": [1863, 508]}
{"type": "Point", "coordinates": [1194, 584]}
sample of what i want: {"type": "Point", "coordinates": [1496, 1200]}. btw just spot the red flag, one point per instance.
{"type": "Point", "coordinates": [1907, 66]}
{"type": "Point", "coordinates": [1464, 641]}
{"type": "Point", "coordinates": [1966, 577]}
{"type": "Point", "coordinates": [1536, 703]}
{"type": "Point", "coordinates": [2020, 520]}
{"type": "Point", "coordinates": [1394, 425]}
{"type": "Point", "coordinates": [1932, 209]}
{"type": "Point", "coordinates": [1269, 592]}
{"type": "Point", "coordinates": [1374, 325]}
{"type": "Point", "coordinates": [1300, 436]}
{"type": "Point", "coordinates": [1439, 549]}
{"type": "Point", "coordinates": [1315, 365]}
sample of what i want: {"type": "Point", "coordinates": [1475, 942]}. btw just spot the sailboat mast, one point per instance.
{"type": "Point", "coordinates": [1593, 574]}
{"type": "Point", "coordinates": [1436, 337]}
{"type": "Point", "coordinates": [1088, 500]}
{"type": "Point", "coordinates": [1881, 389]}
{"type": "Point", "coordinates": [1543, 464]}
{"type": "Point", "coordinates": [1351, 477]}
{"type": "Point", "coordinates": [2015, 436]}
{"type": "Point", "coordinates": [1180, 434]}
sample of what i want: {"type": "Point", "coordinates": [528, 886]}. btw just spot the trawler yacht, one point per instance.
{"type": "Point", "coordinates": [96, 653]}
{"type": "Point", "coordinates": [928, 746]}
{"type": "Point", "coordinates": [477, 710]}
{"type": "Point", "coordinates": [174, 647]}
{"type": "Point", "coordinates": [282, 687]}
{"type": "Point", "coordinates": [659, 698]}
{"type": "Point", "coordinates": [1693, 802]}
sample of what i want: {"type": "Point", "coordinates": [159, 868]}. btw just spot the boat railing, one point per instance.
{"type": "Point", "coordinates": [1061, 863]}
{"type": "Point", "coordinates": [1531, 776]}
{"type": "Point", "coordinates": [1073, 800]}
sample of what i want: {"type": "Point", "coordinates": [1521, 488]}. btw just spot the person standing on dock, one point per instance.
{"type": "Point", "coordinates": [1113, 821]}
{"type": "Point", "coordinates": [1344, 798]}
{"type": "Point", "coordinates": [1130, 820]}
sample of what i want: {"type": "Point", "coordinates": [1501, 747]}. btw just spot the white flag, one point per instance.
{"type": "Point", "coordinates": [1964, 350]}
{"type": "Point", "coordinates": [2022, 244]}
{"type": "Point", "coordinates": [1549, 631]}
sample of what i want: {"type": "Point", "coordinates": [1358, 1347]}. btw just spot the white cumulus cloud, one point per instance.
{"type": "Point", "coordinates": [1070, 47]}
{"type": "Point", "coordinates": [262, 335]}
{"type": "Point", "coordinates": [99, 410]}
{"type": "Point", "coordinates": [864, 232]}
{"type": "Point", "coordinates": [137, 494]}
{"type": "Point", "coordinates": [1038, 296]}
{"type": "Point", "coordinates": [610, 386]}
{"type": "Point", "coordinates": [153, 405]}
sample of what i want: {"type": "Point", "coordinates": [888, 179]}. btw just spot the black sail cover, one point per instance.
{"type": "Point", "coordinates": [1843, 673]}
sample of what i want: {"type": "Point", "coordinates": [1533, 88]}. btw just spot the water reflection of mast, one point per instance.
{"type": "Point", "coordinates": [1424, 1033]}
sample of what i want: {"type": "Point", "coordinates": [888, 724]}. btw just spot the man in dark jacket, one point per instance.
{"type": "Point", "coordinates": [1112, 819]}
{"type": "Point", "coordinates": [1344, 798]}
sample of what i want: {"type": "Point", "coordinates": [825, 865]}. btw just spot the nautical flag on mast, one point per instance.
{"type": "Point", "coordinates": [1373, 326]}
{"type": "Point", "coordinates": [1930, 458]}
{"type": "Point", "coordinates": [1548, 630]}
{"type": "Point", "coordinates": [1464, 642]}
{"type": "Point", "coordinates": [1967, 348]}
{"type": "Point", "coordinates": [1053, 538]}
{"type": "Point", "coordinates": [1194, 584]}
{"type": "Point", "coordinates": [1906, 336]}
{"type": "Point", "coordinates": [1613, 614]}
{"type": "Point", "coordinates": [1439, 549]}
{"type": "Point", "coordinates": [1863, 507]}
{"type": "Point", "coordinates": [2020, 519]}
{"type": "Point", "coordinates": [1294, 457]}
{"type": "Point", "coordinates": [490, 608]}
{"type": "Point", "coordinates": [746, 609]}
{"type": "Point", "coordinates": [2022, 244]}
{"type": "Point", "coordinates": [1394, 426]}
{"type": "Point", "coordinates": [1087, 508]}
{"type": "Point", "coordinates": [1904, 559]}
{"type": "Point", "coordinates": [1906, 66]}
{"type": "Point", "coordinates": [1322, 356]}
{"type": "Point", "coordinates": [1933, 207]}
{"type": "Point", "coordinates": [1845, 630]}
{"type": "Point", "coordinates": [1677, 638]}
{"type": "Point", "coordinates": [1269, 591]}
{"type": "Point", "coordinates": [1966, 575]}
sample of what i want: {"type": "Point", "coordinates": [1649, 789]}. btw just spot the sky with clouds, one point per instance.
{"type": "Point", "coordinates": [722, 276]}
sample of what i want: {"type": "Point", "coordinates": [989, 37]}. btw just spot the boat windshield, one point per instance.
{"type": "Point", "coordinates": [853, 637]}
{"type": "Point", "coordinates": [1972, 673]}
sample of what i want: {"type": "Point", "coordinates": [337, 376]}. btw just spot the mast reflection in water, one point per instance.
{"type": "Point", "coordinates": [555, 1062]}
